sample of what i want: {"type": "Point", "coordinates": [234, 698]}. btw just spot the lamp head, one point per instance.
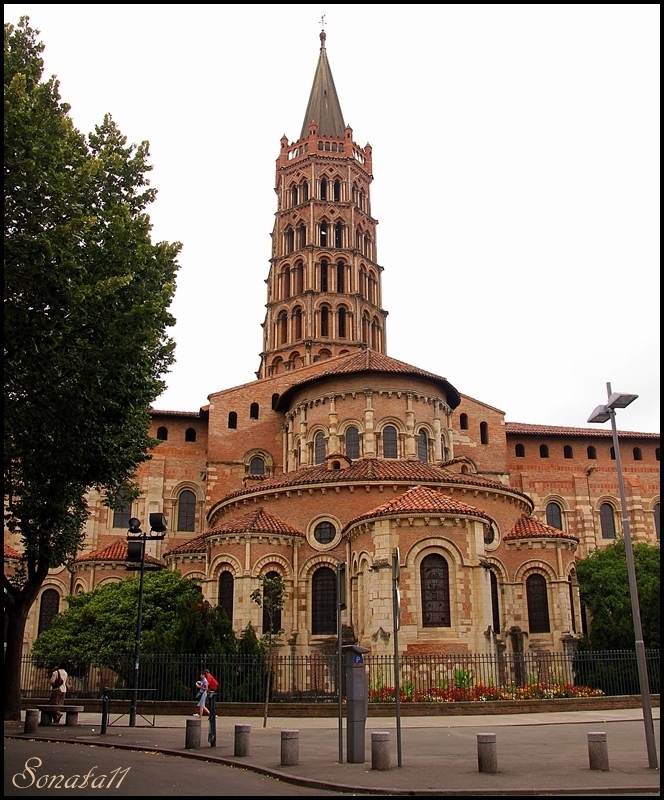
{"type": "Point", "coordinates": [134, 526]}
{"type": "Point", "coordinates": [600, 414]}
{"type": "Point", "coordinates": [621, 400]}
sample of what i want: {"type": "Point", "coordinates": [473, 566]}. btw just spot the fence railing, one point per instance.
{"type": "Point", "coordinates": [313, 678]}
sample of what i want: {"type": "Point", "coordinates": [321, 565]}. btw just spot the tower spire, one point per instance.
{"type": "Point", "coordinates": [324, 108]}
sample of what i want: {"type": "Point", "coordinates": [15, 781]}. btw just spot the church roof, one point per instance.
{"type": "Point", "coordinates": [370, 361]}
{"type": "Point", "coordinates": [324, 108]}
{"type": "Point", "coordinates": [528, 527]}
{"type": "Point", "coordinates": [525, 429]}
{"type": "Point", "coordinates": [256, 521]}
{"type": "Point", "coordinates": [420, 500]}
{"type": "Point", "coordinates": [115, 551]}
{"type": "Point", "coordinates": [11, 553]}
{"type": "Point", "coordinates": [375, 469]}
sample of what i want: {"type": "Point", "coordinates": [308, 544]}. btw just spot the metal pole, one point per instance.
{"type": "Point", "coordinates": [137, 649]}
{"type": "Point", "coordinates": [395, 624]}
{"type": "Point", "coordinates": [339, 668]}
{"type": "Point", "coordinates": [634, 598]}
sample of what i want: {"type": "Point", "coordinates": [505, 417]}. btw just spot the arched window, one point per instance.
{"type": "Point", "coordinates": [337, 191]}
{"type": "Point", "coordinates": [324, 532]}
{"type": "Point", "coordinates": [484, 433]}
{"type": "Point", "coordinates": [342, 323]}
{"type": "Point", "coordinates": [568, 452]}
{"type": "Point", "coordinates": [607, 521]}
{"type": "Point", "coordinates": [656, 516]}
{"type": "Point", "coordinates": [257, 466]}
{"type": "Point", "coordinates": [495, 602]}
{"type": "Point", "coordinates": [323, 189]}
{"type": "Point", "coordinates": [554, 516]}
{"type": "Point", "coordinates": [423, 446]}
{"type": "Point", "coordinates": [538, 604]}
{"type": "Point", "coordinates": [323, 275]}
{"type": "Point", "coordinates": [520, 451]}
{"type": "Point", "coordinates": [276, 613]}
{"type": "Point", "coordinates": [48, 608]}
{"type": "Point", "coordinates": [297, 316]}
{"type": "Point", "coordinates": [324, 321]}
{"type": "Point", "coordinates": [282, 327]}
{"type": "Point", "coordinates": [190, 435]}
{"type": "Point", "coordinates": [324, 602]}
{"type": "Point", "coordinates": [226, 582]}
{"type": "Point", "coordinates": [352, 442]}
{"type": "Point", "coordinates": [338, 241]}
{"type": "Point", "coordinates": [186, 511]}
{"type": "Point", "coordinates": [122, 514]}
{"type": "Point", "coordinates": [544, 451]}
{"type": "Point", "coordinates": [657, 454]}
{"type": "Point", "coordinates": [232, 419]}
{"type": "Point", "coordinates": [463, 422]}
{"type": "Point", "coordinates": [319, 448]}
{"type": "Point", "coordinates": [275, 400]}
{"type": "Point", "coordinates": [162, 433]}
{"type": "Point", "coordinates": [323, 234]}
{"type": "Point", "coordinates": [592, 453]}
{"type": "Point", "coordinates": [613, 454]}
{"type": "Point", "coordinates": [294, 196]}
{"type": "Point", "coordinates": [638, 455]}
{"type": "Point", "coordinates": [340, 273]}
{"type": "Point", "coordinates": [390, 449]}
{"type": "Point", "coordinates": [253, 411]}
{"type": "Point", "coordinates": [435, 581]}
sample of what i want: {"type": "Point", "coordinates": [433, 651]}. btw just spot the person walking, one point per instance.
{"type": "Point", "coordinates": [58, 691]}
{"type": "Point", "coordinates": [213, 683]}
{"type": "Point", "coordinates": [202, 686]}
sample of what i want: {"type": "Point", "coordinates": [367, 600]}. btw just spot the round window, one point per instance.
{"type": "Point", "coordinates": [490, 534]}
{"type": "Point", "coordinates": [324, 532]}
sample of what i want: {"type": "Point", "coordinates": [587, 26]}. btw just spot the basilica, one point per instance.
{"type": "Point", "coordinates": [337, 454]}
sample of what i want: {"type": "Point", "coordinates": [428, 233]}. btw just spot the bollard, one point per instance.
{"type": "Point", "coordinates": [242, 736]}
{"type": "Point", "coordinates": [290, 748]}
{"type": "Point", "coordinates": [598, 753]}
{"type": "Point", "coordinates": [380, 750]}
{"type": "Point", "coordinates": [31, 720]}
{"type": "Point", "coordinates": [192, 740]}
{"type": "Point", "coordinates": [487, 753]}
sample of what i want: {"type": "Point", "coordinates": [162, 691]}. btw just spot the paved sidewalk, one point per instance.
{"type": "Point", "coordinates": [541, 753]}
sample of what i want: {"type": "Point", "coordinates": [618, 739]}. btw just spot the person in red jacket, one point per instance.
{"type": "Point", "coordinates": [213, 683]}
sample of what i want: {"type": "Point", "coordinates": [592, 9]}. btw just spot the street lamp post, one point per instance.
{"type": "Point", "coordinates": [136, 545]}
{"type": "Point", "coordinates": [602, 414]}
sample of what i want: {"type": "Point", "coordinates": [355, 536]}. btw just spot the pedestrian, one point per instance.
{"type": "Point", "coordinates": [213, 683]}
{"type": "Point", "coordinates": [58, 690]}
{"type": "Point", "coordinates": [202, 686]}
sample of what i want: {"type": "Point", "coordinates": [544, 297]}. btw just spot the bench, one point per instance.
{"type": "Point", "coordinates": [48, 714]}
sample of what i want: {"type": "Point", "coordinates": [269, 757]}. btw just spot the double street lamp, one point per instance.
{"type": "Point", "coordinates": [603, 414]}
{"type": "Point", "coordinates": [136, 545]}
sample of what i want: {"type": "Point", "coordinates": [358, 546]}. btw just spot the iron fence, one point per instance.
{"type": "Point", "coordinates": [313, 678]}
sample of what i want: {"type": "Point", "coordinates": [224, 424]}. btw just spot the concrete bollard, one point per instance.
{"type": "Point", "coordinates": [242, 740]}
{"type": "Point", "coordinates": [487, 752]}
{"type": "Point", "coordinates": [380, 750]}
{"type": "Point", "coordinates": [192, 739]}
{"type": "Point", "coordinates": [290, 748]}
{"type": "Point", "coordinates": [598, 752]}
{"type": "Point", "coordinates": [31, 720]}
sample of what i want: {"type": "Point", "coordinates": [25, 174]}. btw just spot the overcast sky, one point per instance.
{"type": "Point", "coordinates": [516, 162]}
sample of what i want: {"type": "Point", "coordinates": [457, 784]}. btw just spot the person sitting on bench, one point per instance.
{"type": "Point", "coordinates": [58, 690]}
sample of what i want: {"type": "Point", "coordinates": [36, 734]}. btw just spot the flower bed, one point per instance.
{"type": "Point", "coordinates": [534, 691]}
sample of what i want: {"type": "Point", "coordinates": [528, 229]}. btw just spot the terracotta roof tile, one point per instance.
{"type": "Point", "coordinates": [115, 551]}
{"type": "Point", "coordinates": [256, 521]}
{"type": "Point", "coordinates": [523, 429]}
{"type": "Point", "coordinates": [420, 500]}
{"type": "Point", "coordinates": [11, 553]}
{"type": "Point", "coordinates": [374, 469]}
{"type": "Point", "coordinates": [371, 361]}
{"type": "Point", "coordinates": [528, 527]}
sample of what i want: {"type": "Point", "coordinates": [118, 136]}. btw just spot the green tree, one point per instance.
{"type": "Point", "coordinates": [100, 626]}
{"type": "Point", "coordinates": [86, 317]}
{"type": "Point", "coordinates": [604, 590]}
{"type": "Point", "coordinates": [271, 597]}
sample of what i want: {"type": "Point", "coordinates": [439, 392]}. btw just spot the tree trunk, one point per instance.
{"type": "Point", "coordinates": [268, 668]}
{"type": "Point", "coordinates": [17, 609]}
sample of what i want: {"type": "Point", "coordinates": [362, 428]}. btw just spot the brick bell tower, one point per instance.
{"type": "Point", "coordinates": [324, 287]}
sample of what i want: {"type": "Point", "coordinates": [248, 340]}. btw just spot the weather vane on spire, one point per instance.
{"type": "Point", "coordinates": [322, 21]}
{"type": "Point", "coordinates": [323, 35]}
